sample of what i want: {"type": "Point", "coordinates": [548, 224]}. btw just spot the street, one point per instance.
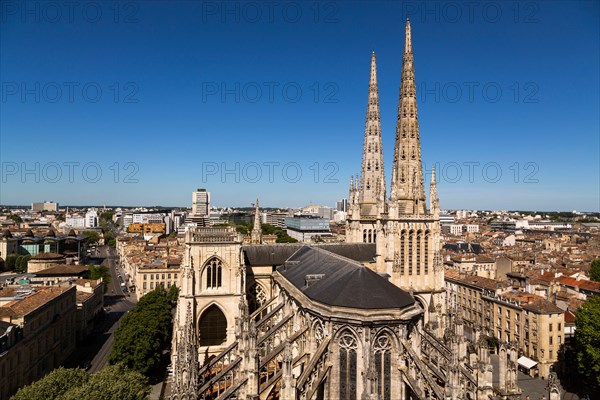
{"type": "Point", "coordinates": [93, 354]}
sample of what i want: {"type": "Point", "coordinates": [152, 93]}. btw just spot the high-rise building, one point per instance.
{"type": "Point", "coordinates": [342, 205]}
{"type": "Point", "coordinates": [91, 218]}
{"type": "Point", "coordinates": [45, 206]}
{"type": "Point", "coordinates": [200, 202]}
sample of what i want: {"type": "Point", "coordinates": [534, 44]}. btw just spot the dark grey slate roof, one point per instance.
{"type": "Point", "coordinates": [462, 247]}
{"type": "Point", "coordinates": [276, 254]}
{"type": "Point", "coordinates": [343, 283]}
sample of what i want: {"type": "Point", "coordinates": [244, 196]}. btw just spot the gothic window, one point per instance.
{"type": "Point", "coordinates": [370, 237]}
{"type": "Point", "coordinates": [213, 327]}
{"type": "Point", "coordinates": [402, 250]}
{"type": "Point", "coordinates": [419, 238]}
{"type": "Point", "coordinates": [364, 236]}
{"type": "Point", "coordinates": [214, 273]}
{"type": "Point", "coordinates": [403, 155]}
{"type": "Point", "coordinates": [348, 347]}
{"type": "Point", "coordinates": [369, 166]}
{"type": "Point", "coordinates": [374, 236]}
{"type": "Point", "coordinates": [256, 297]}
{"type": "Point", "coordinates": [376, 166]}
{"type": "Point", "coordinates": [369, 147]}
{"type": "Point", "coordinates": [426, 245]}
{"type": "Point", "coordinates": [383, 367]}
{"type": "Point", "coordinates": [410, 252]}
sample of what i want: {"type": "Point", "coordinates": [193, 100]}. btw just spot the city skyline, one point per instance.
{"type": "Point", "coordinates": [503, 101]}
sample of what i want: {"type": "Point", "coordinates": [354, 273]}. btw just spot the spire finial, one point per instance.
{"type": "Point", "coordinates": [256, 236]}
{"type": "Point", "coordinates": [407, 173]}
{"type": "Point", "coordinates": [434, 202]}
{"type": "Point", "coordinates": [408, 38]}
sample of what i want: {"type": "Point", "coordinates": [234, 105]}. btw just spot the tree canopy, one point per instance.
{"type": "Point", "coordinates": [99, 271]}
{"type": "Point", "coordinates": [91, 237]}
{"type": "Point", "coordinates": [595, 270]}
{"type": "Point", "coordinates": [114, 382]}
{"type": "Point", "coordinates": [282, 236]}
{"type": "Point", "coordinates": [145, 332]}
{"type": "Point", "coordinates": [587, 339]}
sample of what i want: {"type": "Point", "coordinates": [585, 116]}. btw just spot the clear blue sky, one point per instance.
{"type": "Point", "coordinates": [172, 93]}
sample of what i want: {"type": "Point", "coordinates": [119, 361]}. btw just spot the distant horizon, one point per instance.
{"type": "Point", "coordinates": [61, 208]}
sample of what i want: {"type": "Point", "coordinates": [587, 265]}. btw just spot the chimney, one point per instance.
{"type": "Point", "coordinates": [311, 279]}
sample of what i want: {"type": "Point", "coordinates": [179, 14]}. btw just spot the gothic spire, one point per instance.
{"type": "Point", "coordinates": [372, 180]}
{"type": "Point", "coordinates": [434, 201]}
{"type": "Point", "coordinates": [256, 236]}
{"type": "Point", "coordinates": [407, 193]}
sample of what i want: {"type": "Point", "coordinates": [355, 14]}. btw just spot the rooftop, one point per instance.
{"type": "Point", "coordinates": [20, 308]}
{"type": "Point", "coordinates": [63, 270]}
{"type": "Point", "coordinates": [334, 280]}
{"type": "Point", "coordinates": [277, 254]}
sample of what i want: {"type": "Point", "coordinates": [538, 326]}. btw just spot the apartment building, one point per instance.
{"type": "Point", "coordinates": [37, 334]}
{"type": "Point", "coordinates": [533, 322]}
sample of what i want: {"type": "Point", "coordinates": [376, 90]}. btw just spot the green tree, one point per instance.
{"type": "Point", "coordinates": [53, 385]}
{"type": "Point", "coordinates": [144, 333]}
{"type": "Point", "coordinates": [173, 294]}
{"type": "Point", "coordinates": [244, 228]}
{"type": "Point", "coordinates": [106, 217]}
{"type": "Point", "coordinates": [587, 339]}
{"type": "Point", "coordinates": [21, 263]}
{"type": "Point", "coordinates": [114, 382]}
{"type": "Point", "coordinates": [15, 218]}
{"type": "Point", "coordinates": [109, 238]}
{"type": "Point", "coordinates": [91, 237]}
{"type": "Point", "coordinates": [99, 271]}
{"type": "Point", "coordinates": [595, 270]}
{"type": "Point", "coordinates": [282, 236]}
{"type": "Point", "coordinates": [11, 262]}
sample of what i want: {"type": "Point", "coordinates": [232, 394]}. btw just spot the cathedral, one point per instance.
{"type": "Point", "coordinates": [364, 319]}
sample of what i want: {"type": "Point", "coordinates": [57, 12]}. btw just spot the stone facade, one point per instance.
{"type": "Point", "coordinates": [40, 332]}
{"type": "Point", "coordinates": [407, 235]}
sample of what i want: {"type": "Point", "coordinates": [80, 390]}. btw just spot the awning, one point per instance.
{"type": "Point", "coordinates": [526, 362]}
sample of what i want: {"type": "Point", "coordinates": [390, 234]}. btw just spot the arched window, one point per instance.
{"type": "Point", "coordinates": [402, 251]}
{"type": "Point", "coordinates": [364, 236]}
{"type": "Point", "coordinates": [348, 373]}
{"type": "Point", "coordinates": [419, 239]}
{"type": "Point", "coordinates": [214, 273]}
{"type": "Point", "coordinates": [383, 367]}
{"type": "Point", "coordinates": [256, 298]}
{"type": "Point", "coordinates": [410, 251]}
{"type": "Point", "coordinates": [426, 245]}
{"type": "Point", "coordinates": [370, 236]}
{"type": "Point", "coordinates": [213, 327]}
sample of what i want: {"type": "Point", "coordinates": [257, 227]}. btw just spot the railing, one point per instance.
{"type": "Point", "coordinates": [262, 308]}
{"type": "Point", "coordinates": [439, 346]}
{"type": "Point", "coordinates": [218, 385]}
{"type": "Point", "coordinates": [423, 370]}
{"type": "Point", "coordinates": [313, 362]}
{"type": "Point", "coordinates": [220, 374]}
{"type": "Point", "coordinates": [268, 320]}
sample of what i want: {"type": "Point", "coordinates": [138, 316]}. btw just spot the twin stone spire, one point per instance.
{"type": "Point", "coordinates": [407, 194]}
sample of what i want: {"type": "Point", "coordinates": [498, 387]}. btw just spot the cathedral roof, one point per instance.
{"type": "Point", "coordinates": [276, 254]}
{"type": "Point", "coordinates": [338, 281]}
